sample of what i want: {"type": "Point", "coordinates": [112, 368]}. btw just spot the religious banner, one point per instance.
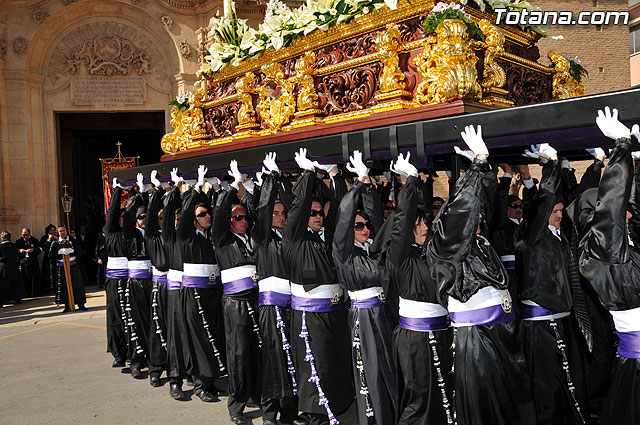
{"type": "Point", "coordinates": [118, 162]}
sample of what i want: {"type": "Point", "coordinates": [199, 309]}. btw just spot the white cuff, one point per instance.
{"type": "Point", "coordinates": [528, 183]}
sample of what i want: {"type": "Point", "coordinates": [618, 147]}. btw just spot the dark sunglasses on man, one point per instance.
{"type": "Point", "coordinates": [240, 217]}
{"type": "Point", "coordinates": [314, 213]}
{"type": "Point", "coordinates": [515, 206]}
{"type": "Point", "coordinates": [142, 216]}
{"type": "Point", "coordinates": [389, 207]}
{"type": "Point", "coordinates": [203, 214]}
{"type": "Point", "coordinates": [359, 226]}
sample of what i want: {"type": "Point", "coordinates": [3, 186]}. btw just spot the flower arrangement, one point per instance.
{"type": "Point", "coordinates": [442, 11]}
{"type": "Point", "coordinates": [181, 101]}
{"type": "Point", "coordinates": [577, 71]}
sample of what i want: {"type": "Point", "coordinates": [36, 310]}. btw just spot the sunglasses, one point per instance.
{"type": "Point", "coordinates": [314, 213]}
{"type": "Point", "coordinates": [359, 226]}
{"type": "Point", "coordinates": [203, 214]}
{"type": "Point", "coordinates": [437, 207]}
{"type": "Point", "coordinates": [240, 217]}
{"type": "Point", "coordinates": [516, 206]}
{"type": "Point", "coordinates": [389, 207]}
{"type": "Point", "coordinates": [142, 217]}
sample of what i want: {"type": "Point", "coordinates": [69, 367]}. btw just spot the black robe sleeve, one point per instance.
{"type": "Point", "coordinates": [261, 231]}
{"type": "Point", "coordinates": [151, 226]}
{"type": "Point", "coordinates": [298, 217]}
{"type": "Point", "coordinates": [171, 205]}
{"type": "Point", "coordinates": [186, 228]}
{"type": "Point", "coordinates": [536, 216]}
{"type": "Point", "coordinates": [220, 228]}
{"type": "Point", "coordinates": [113, 213]}
{"type": "Point", "coordinates": [344, 233]}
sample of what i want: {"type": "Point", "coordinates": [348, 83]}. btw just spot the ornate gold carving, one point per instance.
{"type": "Point", "coordinates": [108, 54]}
{"type": "Point", "coordinates": [277, 102]}
{"type": "Point", "coordinates": [392, 79]}
{"type": "Point", "coordinates": [535, 66]}
{"type": "Point", "coordinates": [244, 89]}
{"type": "Point", "coordinates": [189, 127]}
{"type": "Point", "coordinates": [564, 85]}
{"type": "Point", "coordinates": [448, 66]}
{"type": "Point", "coordinates": [307, 96]}
{"type": "Point", "coordinates": [175, 141]}
{"type": "Point", "coordinates": [493, 75]}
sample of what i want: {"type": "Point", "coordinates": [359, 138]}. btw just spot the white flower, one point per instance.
{"type": "Point", "coordinates": [391, 4]}
{"type": "Point", "coordinates": [333, 12]}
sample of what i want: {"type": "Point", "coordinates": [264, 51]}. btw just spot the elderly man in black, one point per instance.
{"type": "Point", "coordinates": [11, 287]}
{"type": "Point", "coordinates": [607, 221]}
{"type": "Point", "coordinates": [64, 245]}
{"type": "Point", "coordinates": [319, 326]}
{"type": "Point", "coordinates": [204, 344]}
{"type": "Point", "coordinates": [491, 380]}
{"type": "Point", "coordinates": [240, 296]}
{"type": "Point", "coordinates": [279, 385]}
{"type": "Point", "coordinates": [28, 251]}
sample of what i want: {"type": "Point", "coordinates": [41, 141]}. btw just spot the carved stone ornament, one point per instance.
{"type": "Point", "coordinates": [167, 22]}
{"type": "Point", "coordinates": [38, 15]}
{"type": "Point", "coordinates": [3, 48]}
{"type": "Point", "coordinates": [564, 85]}
{"type": "Point", "coordinates": [185, 49]}
{"type": "Point", "coordinates": [277, 101]}
{"type": "Point", "coordinates": [448, 66]}
{"type": "Point", "coordinates": [108, 54]}
{"type": "Point", "coordinates": [20, 46]}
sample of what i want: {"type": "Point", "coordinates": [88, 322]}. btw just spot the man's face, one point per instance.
{"type": "Point", "coordinates": [25, 234]}
{"type": "Point", "coordinates": [515, 209]}
{"type": "Point", "coordinates": [629, 215]}
{"type": "Point", "coordinates": [160, 218]}
{"type": "Point", "coordinates": [388, 209]}
{"type": "Point", "coordinates": [437, 204]}
{"type": "Point", "coordinates": [279, 216]}
{"type": "Point", "coordinates": [176, 221]}
{"type": "Point", "coordinates": [420, 232]}
{"type": "Point", "coordinates": [62, 231]}
{"type": "Point", "coordinates": [203, 218]}
{"type": "Point", "coordinates": [556, 215]}
{"type": "Point", "coordinates": [239, 220]}
{"type": "Point", "coordinates": [316, 217]}
{"type": "Point", "coordinates": [73, 233]}
{"type": "Point", "coordinates": [52, 230]}
{"type": "Point", "coordinates": [362, 229]}
{"type": "Point", "coordinates": [121, 220]}
{"type": "Point", "coordinates": [140, 221]}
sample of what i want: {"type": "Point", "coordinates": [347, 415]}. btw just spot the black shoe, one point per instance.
{"type": "Point", "coordinates": [238, 418]}
{"type": "Point", "coordinates": [66, 310]}
{"type": "Point", "coordinates": [135, 373]}
{"type": "Point", "coordinates": [269, 423]}
{"type": "Point", "coordinates": [154, 381]}
{"type": "Point", "coordinates": [82, 307]}
{"type": "Point", "coordinates": [206, 396]}
{"type": "Point", "coordinates": [299, 421]}
{"type": "Point", "coordinates": [118, 363]}
{"type": "Point", "coordinates": [251, 404]}
{"type": "Point", "coordinates": [176, 391]}
{"type": "Point", "coordinates": [221, 392]}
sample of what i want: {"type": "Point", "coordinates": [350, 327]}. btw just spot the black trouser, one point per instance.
{"type": "Point", "coordinates": [288, 409]}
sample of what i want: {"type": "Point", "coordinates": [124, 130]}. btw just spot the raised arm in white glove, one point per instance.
{"type": "Point", "coordinates": [304, 162]}
{"type": "Point", "coordinates": [608, 123]}
{"type": "Point", "coordinates": [270, 162]}
{"type": "Point", "coordinates": [473, 139]}
{"type": "Point", "coordinates": [175, 178]}
{"type": "Point", "coordinates": [332, 169]}
{"type": "Point", "coordinates": [546, 151]}
{"type": "Point", "coordinates": [357, 166]}
{"type": "Point", "coordinates": [597, 153]}
{"type": "Point", "coordinates": [258, 181]}
{"type": "Point", "coordinates": [116, 183]}
{"type": "Point", "coordinates": [635, 132]}
{"type": "Point", "coordinates": [154, 179]}
{"type": "Point", "coordinates": [140, 183]}
{"type": "Point", "coordinates": [403, 166]}
{"type": "Point", "coordinates": [202, 172]}
{"type": "Point", "coordinates": [466, 153]}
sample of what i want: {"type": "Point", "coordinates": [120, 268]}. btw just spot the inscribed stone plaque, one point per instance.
{"type": "Point", "coordinates": [107, 92]}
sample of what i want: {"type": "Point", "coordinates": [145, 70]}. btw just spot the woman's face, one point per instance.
{"type": "Point", "coordinates": [420, 232]}
{"type": "Point", "coordinates": [361, 230]}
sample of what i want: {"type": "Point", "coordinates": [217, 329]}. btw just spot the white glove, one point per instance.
{"type": "Point", "coordinates": [635, 132]}
{"type": "Point", "coordinates": [270, 162]}
{"type": "Point", "coordinates": [140, 182]}
{"type": "Point", "coordinates": [174, 176]}
{"type": "Point", "coordinates": [154, 179]}
{"type": "Point", "coordinates": [356, 165]}
{"type": "Point", "coordinates": [259, 175]}
{"type": "Point", "coordinates": [116, 183]}
{"type": "Point", "coordinates": [565, 163]}
{"type": "Point", "coordinates": [302, 160]}
{"type": "Point", "coordinates": [635, 155]}
{"type": "Point", "coordinates": [597, 153]}
{"type": "Point", "coordinates": [66, 251]}
{"type": "Point", "coordinates": [224, 185]}
{"type": "Point", "coordinates": [546, 151]}
{"type": "Point", "coordinates": [235, 172]}
{"type": "Point", "coordinates": [466, 153]}
{"type": "Point", "coordinates": [249, 185]}
{"type": "Point", "coordinates": [403, 166]}
{"type": "Point", "coordinates": [610, 126]}
{"type": "Point", "coordinates": [202, 171]}
{"type": "Point", "coordinates": [473, 139]}
{"type": "Point", "coordinates": [533, 153]}
{"type": "Point", "coordinates": [326, 168]}
{"type": "Point", "coordinates": [213, 181]}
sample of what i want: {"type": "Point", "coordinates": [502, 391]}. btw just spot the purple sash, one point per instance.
{"type": "Point", "coordinates": [139, 273]}
{"type": "Point", "coordinates": [172, 285]}
{"type": "Point", "coordinates": [274, 298]}
{"type": "Point", "coordinates": [315, 305]}
{"type": "Point", "coordinates": [531, 311]}
{"type": "Point", "coordinates": [160, 278]}
{"type": "Point", "coordinates": [491, 315]}
{"type": "Point", "coordinates": [117, 273]}
{"type": "Point", "coordinates": [366, 303]}
{"type": "Point", "coordinates": [629, 344]}
{"type": "Point", "coordinates": [509, 264]}
{"type": "Point", "coordinates": [239, 285]}
{"type": "Point", "coordinates": [201, 282]}
{"type": "Point", "coordinates": [61, 263]}
{"type": "Point", "coordinates": [424, 324]}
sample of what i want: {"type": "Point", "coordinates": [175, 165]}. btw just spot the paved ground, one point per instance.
{"type": "Point", "coordinates": [54, 369]}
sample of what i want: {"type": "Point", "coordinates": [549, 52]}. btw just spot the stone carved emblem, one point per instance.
{"type": "Point", "coordinates": [38, 15]}
{"type": "Point", "coordinates": [108, 54]}
{"type": "Point", "coordinates": [167, 22]}
{"type": "Point", "coordinates": [185, 49]}
{"type": "Point", "coordinates": [20, 46]}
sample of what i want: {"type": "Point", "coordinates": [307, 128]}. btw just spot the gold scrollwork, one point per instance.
{"type": "Point", "coordinates": [564, 85]}
{"type": "Point", "coordinates": [493, 75]}
{"type": "Point", "coordinates": [307, 96]}
{"type": "Point", "coordinates": [174, 141]}
{"type": "Point", "coordinates": [448, 66]}
{"type": "Point", "coordinates": [277, 101]}
{"type": "Point", "coordinates": [244, 89]}
{"type": "Point", "coordinates": [388, 44]}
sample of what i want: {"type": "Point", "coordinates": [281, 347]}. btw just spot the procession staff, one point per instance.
{"type": "Point", "coordinates": [422, 339]}
{"type": "Point", "coordinates": [159, 257]}
{"type": "Point", "coordinates": [138, 290]}
{"type": "Point", "coordinates": [491, 381]}
{"type": "Point", "coordinates": [174, 318]}
{"type": "Point", "coordinates": [372, 361]}
{"type": "Point", "coordinates": [279, 385]}
{"type": "Point", "coordinates": [204, 344]}
{"type": "Point", "coordinates": [609, 259]}
{"type": "Point", "coordinates": [116, 279]}
{"type": "Point", "coordinates": [67, 246]}
{"type": "Point", "coordinates": [319, 326]}
{"type": "Point", "coordinates": [547, 330]}
{"type": "Point", "coordinates": [234, 253]}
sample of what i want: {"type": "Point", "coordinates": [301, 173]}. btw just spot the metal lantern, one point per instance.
{"type": "Point", "coordinates": [66, 200]}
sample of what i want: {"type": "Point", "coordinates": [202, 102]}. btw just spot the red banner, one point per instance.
{"type": "Point", "coordinates": [119, 162]}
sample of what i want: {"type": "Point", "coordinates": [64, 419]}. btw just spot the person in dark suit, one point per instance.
{"type": "Point", "coordinates": [11, 285]}
{"type": "Point", "coordinates": [28, 251]}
